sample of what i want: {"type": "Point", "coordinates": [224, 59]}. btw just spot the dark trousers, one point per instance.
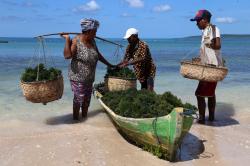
{"type": "Point", "coordinates": [148, 84]}
{"type": "Point", "coordinates": [144, 85]}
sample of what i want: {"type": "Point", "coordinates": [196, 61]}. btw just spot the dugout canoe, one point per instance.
{"type": "Point", "coordinates": [166, 132]}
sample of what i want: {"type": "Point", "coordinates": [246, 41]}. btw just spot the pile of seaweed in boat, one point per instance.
{"type": "Point", "coordinates": [143, 103]}
{"type": "Point", "coordinates": [125, 73]}
{"type": "Point", "coordinates": [44, 74]}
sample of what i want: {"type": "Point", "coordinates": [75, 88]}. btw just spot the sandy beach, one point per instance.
{"type": "Point", "coordinates": [35, 31]}
{"type": "Point", "coordinates": [58, 140]}
{"type": "Point", "coordinates": [35, 134]}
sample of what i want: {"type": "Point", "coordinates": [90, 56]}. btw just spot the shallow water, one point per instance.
{"type": "Point", "coordinates": [167, 53]}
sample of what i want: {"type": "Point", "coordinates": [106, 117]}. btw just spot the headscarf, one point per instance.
{"type": "Point", "coordinates": [89, 24]}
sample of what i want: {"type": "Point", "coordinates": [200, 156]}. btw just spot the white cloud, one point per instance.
{"type": "Point", "coordinates": [11, 18]}
{"type": "Point", "coordinates": [7, 2]}
{"type": "Point", "coordinates": [90, 6]}
{"type": "Point", "coordinates": [27, 4]}
{"type": "Point", "coordinates": [162, 8]}
{"type": "Point", "coordinates": [126, 15]}
{"type": "Point", "coordinates": [225, 20]}
{"type": "Point", "coordinates": [135, 3]}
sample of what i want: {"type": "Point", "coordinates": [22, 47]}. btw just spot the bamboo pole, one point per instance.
{"type": "Point", "coordinates": [76, 33]}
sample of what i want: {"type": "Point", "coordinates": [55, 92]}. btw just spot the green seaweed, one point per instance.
{"type": "Point", "coordinates": [143, 103]}
{"type": "Point", "coordinates": [30, 74]}
{"type": "Point", "coordinates": [120, 72]}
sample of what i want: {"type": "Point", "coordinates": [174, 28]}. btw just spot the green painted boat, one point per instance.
{"type": "Point", "coordinates": [166, 132]}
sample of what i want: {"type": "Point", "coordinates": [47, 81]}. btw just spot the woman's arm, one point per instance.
{"type": "Point", "coordinates": [143, 54]}
{"type": "Point", "coordinates": [137, 60]}
{"type": "Point", "coordinates": [126, 58]}
{"type": "Point", "coordinates": [216, 45]}
{"type": "Point", "coordinates": [100, 57]}
{"type": "Point", "coordinates": [70, 47]}
{"type": "Point", "coordinates": [103, 60]}
{"type": "Point", "coordinates": [142, 51]}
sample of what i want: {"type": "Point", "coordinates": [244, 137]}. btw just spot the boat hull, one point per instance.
{"type": "Point", "coordinates": [164, 132]}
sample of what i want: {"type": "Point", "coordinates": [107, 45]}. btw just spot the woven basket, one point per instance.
{"type": "Point", "coordinates": [202, 72]}
{"type": "Point", "coordinates": [118, 84]}
{"type": "Point", "coordinates": [43, 91]}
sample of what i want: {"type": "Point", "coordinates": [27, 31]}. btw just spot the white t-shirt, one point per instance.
{"type": "Point", "coordinates": [209, 55]}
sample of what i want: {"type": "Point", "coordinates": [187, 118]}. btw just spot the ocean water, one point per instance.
{"type": "Point", "coordinates": [20, 53]}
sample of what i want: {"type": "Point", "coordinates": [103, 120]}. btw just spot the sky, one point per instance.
{"type": "Point", "coordinates": [153, 18]}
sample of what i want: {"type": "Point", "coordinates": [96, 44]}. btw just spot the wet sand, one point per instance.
{"type": "Point", "coordinates": [58, 140]}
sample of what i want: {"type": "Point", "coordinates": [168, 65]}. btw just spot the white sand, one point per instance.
{"type": "Point", "coordinates": [57, 140]}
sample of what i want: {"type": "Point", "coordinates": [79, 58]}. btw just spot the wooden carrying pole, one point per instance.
{"type": "Point", "coordinates": [75, 33]}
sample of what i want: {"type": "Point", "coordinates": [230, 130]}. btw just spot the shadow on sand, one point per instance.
{"type": "Point", "coordinates": [68, 119]}
{"type": "Point", "coordinates": [223, 116]}
{"type": "Point", "coordinates": [192, 148]}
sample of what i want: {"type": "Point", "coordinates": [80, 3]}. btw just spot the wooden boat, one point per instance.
{"type": "Point", "coordinates": [165, 133]}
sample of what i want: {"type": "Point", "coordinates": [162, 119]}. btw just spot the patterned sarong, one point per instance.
{"type": "Point", "coordinates": [82, 93]}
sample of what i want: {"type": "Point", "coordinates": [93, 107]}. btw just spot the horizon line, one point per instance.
{"type": "Point", "coordinates": [229, 34]}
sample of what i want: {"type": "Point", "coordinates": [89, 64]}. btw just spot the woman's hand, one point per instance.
{"type": "Point", "coordinates": [64, 35]}
{"type": "Point", "coordinates": [196, 60]}
{"type": "Point", "coordinates": [112, 66]}
{"type": "Point", "coordinates": [124, 64]}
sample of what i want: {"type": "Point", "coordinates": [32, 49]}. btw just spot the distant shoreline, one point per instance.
{"type": "Point", "coordinates": [4, 39]}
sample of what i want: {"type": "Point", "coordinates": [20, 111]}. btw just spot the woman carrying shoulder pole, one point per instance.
{"type": "Point", "coordinates": [84, 55]}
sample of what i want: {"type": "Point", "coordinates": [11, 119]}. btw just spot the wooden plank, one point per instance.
{"type": "Point", "coordinates": [77, 33]}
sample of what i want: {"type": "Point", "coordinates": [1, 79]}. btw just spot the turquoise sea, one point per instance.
{"type": "Point", "coordinates": [20, 53]}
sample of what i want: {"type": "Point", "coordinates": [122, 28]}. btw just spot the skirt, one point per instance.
{"type": "Point", "coordinates": [82, 92]}
{"type": "Point", "coordinates": [206, 89]}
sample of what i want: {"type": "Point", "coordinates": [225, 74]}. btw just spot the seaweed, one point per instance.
{"type": "Point", "coordinates": [30, 74]}
{"type": "Point", "coordinates": [120, 72]}
{"type": "Point", "coordinates": [143, 103]}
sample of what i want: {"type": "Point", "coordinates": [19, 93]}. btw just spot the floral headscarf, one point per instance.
{"type": "Point", "coordinates": [88, 24]}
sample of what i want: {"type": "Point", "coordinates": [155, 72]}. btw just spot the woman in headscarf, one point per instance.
{"type": "Point", "coordinates": [84, 54]}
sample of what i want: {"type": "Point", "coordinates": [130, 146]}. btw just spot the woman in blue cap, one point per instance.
{"type": "Point", "coordinates": [209, 54]}
{"type": "Point", "coordinates": [84, 54]}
